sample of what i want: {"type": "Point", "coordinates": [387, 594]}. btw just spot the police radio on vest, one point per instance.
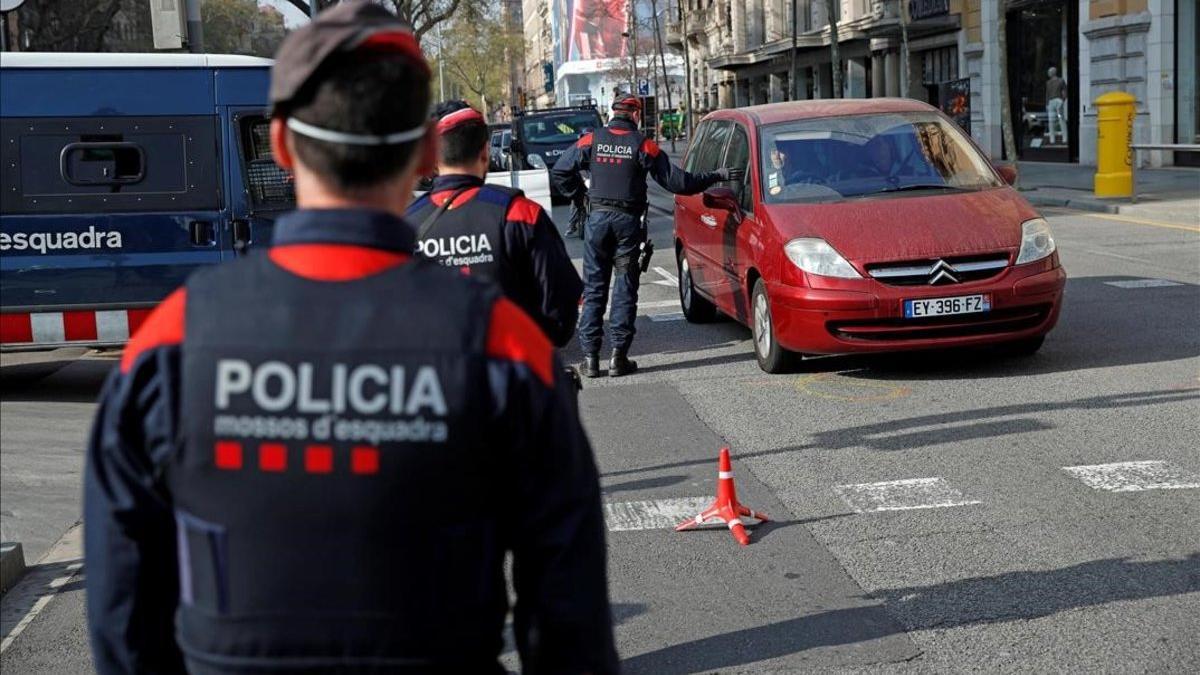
{"type": "Point", "coordinates": [367, 389]}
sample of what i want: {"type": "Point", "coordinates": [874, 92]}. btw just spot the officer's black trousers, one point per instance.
{"type": "Point", "coordinates": [612, 243]}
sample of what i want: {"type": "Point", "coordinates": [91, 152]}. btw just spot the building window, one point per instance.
{"type": "Point", "coordinates": [939, 65]}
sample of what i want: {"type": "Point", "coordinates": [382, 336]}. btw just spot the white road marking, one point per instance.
{"type": "Point", "coordinates": [668, 279]}
{"type": "Point", "coordinates": [901, 495]}
{"type": "Point", "coordinates": [654, 514]}
{"type": "Point", "coordinates": [672, 316]}
{"type": "Point", "coordinates": [658, 303]}
{"type": "Point", "coordinates": [33, 593]}
{"type": "Point", "coordinates": [654, 304]}
{"type": "Point", "coordinates": [1134, 476]}
{"type": "Point", "coordinates": [1143, 283]}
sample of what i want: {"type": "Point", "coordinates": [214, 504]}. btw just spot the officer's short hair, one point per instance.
{"type": "Point", "coordinates": [462, 144]}
{"type": "Point", "coordinates": [373, 96]}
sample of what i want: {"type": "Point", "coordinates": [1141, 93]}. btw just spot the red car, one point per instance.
{"type": "Point", "coordinates": [863, 225]}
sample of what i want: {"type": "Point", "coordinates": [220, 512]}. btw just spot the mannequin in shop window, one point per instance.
{"type": "Point", "coordinates": [1056, 106]}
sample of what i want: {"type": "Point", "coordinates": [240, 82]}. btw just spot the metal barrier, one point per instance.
{"type": "Point", "coordinates": [1168, 147]}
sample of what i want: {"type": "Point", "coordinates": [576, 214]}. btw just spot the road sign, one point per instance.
{"type": "Point", "coordinates": [643, 87]}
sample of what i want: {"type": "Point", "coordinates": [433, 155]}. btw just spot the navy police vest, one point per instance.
{"type": "Point", "coordinates": [471, 235]}
{"type": "Point", "coordinates": [618, 179]}
{"type": "Point", "coordinates": [336, 495]}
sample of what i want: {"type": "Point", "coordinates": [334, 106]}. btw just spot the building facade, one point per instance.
{"type": "Point", "coordinates": [1062, 54]}
{"type": "Point", "coordinates": [591, 49]}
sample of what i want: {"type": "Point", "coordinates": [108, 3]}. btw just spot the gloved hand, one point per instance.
{"type": "Point", "coordinates": [731, 174]}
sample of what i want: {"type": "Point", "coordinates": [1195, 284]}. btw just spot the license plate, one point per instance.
{"type": "Point", "coordinates": [963, 304]}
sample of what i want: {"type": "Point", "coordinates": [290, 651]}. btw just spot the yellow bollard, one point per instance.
{"type": "Point", "coordinates": [1114, 136]}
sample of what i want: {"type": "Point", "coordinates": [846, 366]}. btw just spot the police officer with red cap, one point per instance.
{"type": "Point", "coordinates": [316, 458]}
{"type": "Point", "coordinates": [619, 158]}
{"type": "Point", "coordinates": [492, 231]}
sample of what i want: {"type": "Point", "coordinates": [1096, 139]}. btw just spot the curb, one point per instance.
{"type": "Point", "coordinates": [12, 564]}
{"type": "Point", "coordinates": [1081, 203]}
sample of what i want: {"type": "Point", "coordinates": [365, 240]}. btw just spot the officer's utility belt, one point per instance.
{"type": "Point", "coordinates": [634, 209]}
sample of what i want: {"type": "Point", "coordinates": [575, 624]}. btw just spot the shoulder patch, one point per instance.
{"type": "Point", "coordinates": [524, 210]}
{"type": "Point", "coordinates": [513, 336]}
{"type": "Point", "coordinates": [162, 328]}
{"type": "Point", "coordinates": [650, 147]}
{"type": "Point", "coordinates": [584, 141]}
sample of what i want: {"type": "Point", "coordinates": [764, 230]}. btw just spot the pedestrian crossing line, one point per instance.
{"type": "Point", "coordinates": [1134, 476]}
{"type": "Point", "coordinates": [1143, 283]}
{"type": "Point", "coordinates": [902, 495]}
{"type": "Point", "coordinates": [669, 316]}
{"type": "Point", "coordinates": [652, 514]}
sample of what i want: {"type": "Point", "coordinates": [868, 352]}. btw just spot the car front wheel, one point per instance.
{"type": "Point", "coordinates": [772, 357]}
{"type": "Point", "coordinates": [695, 308]}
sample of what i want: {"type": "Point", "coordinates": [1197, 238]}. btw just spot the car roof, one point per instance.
{"type": "Point", "coordinates": [790, 111]}
{"type": "Point", "coordinates": [129, 60]}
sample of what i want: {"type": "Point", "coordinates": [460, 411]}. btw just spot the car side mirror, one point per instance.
{"type": "Point", "coordinates": [723, 198]}
{"type": "Point", "coordinates": [1007, 171]}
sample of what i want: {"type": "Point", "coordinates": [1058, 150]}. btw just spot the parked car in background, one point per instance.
{"type": "Point", "coordinates": [864, 225]}
{"type": "Point", "coordinates": [501, 141]}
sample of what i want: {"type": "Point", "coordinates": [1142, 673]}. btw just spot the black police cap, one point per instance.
{"type": "Point", "coordinates": [349, 26]}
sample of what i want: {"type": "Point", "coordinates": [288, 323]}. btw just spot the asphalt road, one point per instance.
{"type": "Point", "coordinates": [937, 512]}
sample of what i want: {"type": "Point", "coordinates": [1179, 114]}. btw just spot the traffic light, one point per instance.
{"type": "Point", "coordinates": [548, 73]}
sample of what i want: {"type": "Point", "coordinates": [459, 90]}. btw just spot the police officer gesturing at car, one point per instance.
{"type": "Point", "coordinates": [315, 459]}
{"type": "Point", "coordinates": [492, 231]}
{"type": "Point", "coordinates": [619, 158]}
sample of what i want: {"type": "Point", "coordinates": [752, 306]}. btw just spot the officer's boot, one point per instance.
{"type": "Point", "coordinates": [620, 364]}
{"type": "Point", "coordinates": [590, 366]}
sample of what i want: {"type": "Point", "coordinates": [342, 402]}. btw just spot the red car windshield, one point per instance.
{"type": "Point", "coordinates": [836, 158]}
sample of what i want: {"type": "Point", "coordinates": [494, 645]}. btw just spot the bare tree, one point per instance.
{"type": "Point", "coordinates": [423, 15]}
{"type": "Point", "coordinates": [474, 53]}
{"type": "Point", "coordinates": [831, 8]}
{"type": "Point", "coordinates": [1006, 125]}
{"type": "Point", "coordinates": [67, 25]}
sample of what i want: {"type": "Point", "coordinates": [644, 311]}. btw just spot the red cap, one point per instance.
{"type": "Point", "coordinates": [628, 103]}
{"type": "Point", "coordinates": [457, 119]}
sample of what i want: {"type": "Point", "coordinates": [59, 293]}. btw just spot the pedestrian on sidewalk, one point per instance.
{"type": "Point", "coordinates": [316, 459]}
{"type": "Point", "coordinates": [495, 232]}
{"type": "Point", "coordinates": [619, 158]}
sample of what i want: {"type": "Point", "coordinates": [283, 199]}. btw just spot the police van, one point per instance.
{"type": "Point", "coordinates": [119, 175]}
{"type": "Point", "coordinates": [540, 137]}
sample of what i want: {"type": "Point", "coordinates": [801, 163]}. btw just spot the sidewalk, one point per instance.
{"type": "Point", "coordinates": [1172, 193]}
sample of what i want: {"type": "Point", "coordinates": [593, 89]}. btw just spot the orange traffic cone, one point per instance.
{"type": "Point", "coordinates": [726, 507]}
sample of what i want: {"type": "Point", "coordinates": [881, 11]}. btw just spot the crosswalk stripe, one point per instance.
{"type": "Point", "coordinates": [653, 514]}
{"type": "Point", "coordinates": [1134, 476]}
{"type": "Point", "coordinates": [902, 495]}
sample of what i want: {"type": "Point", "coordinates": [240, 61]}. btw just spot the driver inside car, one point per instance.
{"type": "Point", "coordinates": [777, 178]}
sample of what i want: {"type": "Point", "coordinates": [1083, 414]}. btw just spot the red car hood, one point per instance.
{"type": "Point", "coordinates": [907, 228]}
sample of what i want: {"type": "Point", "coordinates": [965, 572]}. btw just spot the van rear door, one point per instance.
{"type": "Point", "coordinates": [260, 190]}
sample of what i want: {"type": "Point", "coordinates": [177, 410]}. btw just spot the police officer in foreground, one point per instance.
{"type": "Point", "coordinates": [492, 231]}
{"type": "Point", "coordinates": [619, 157]}
{"type": "Point", "coordinates": [316, 458]}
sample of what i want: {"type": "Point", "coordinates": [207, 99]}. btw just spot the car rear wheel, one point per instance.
{"type": "Point", "coordinates": [772, 357]}
{"type": "Point", "coordinates": [695, 308]}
